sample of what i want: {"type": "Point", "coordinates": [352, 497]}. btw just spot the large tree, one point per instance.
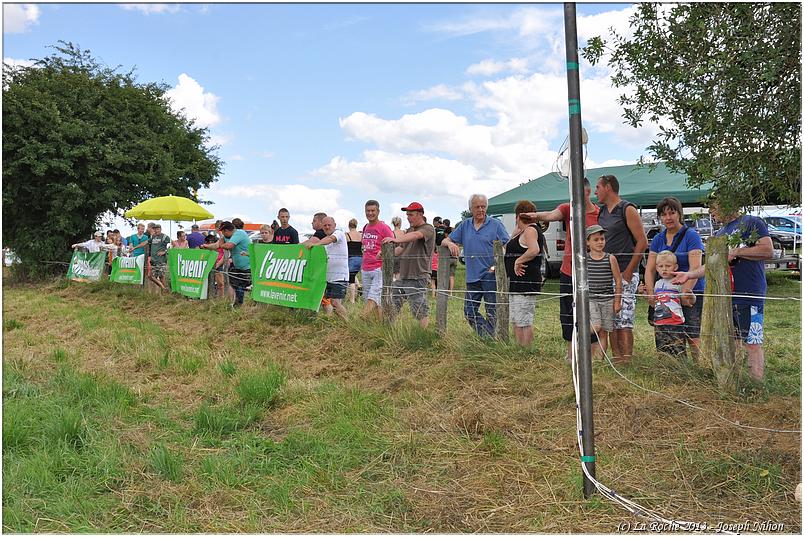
{"type": "Point", "coordinates": [81, 139]}
{"type": "Point", "coordinates": [723, 82]}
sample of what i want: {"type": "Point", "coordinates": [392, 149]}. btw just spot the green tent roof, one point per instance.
{"type": "Point", "coordinates": [639, 185]}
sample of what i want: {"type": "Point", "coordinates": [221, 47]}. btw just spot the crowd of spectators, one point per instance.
{"type": "Point", "coordinates": [615, 242]}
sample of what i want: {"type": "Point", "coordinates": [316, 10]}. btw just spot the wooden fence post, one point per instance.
{"type": "Point", "coordinates": [387, 280]}
{"type": "Point", "coordinates": [502, 291]}
{"type": "Point", "coordinates": [442, 285]}
{"type": "Point", "coordinates": [717, 332]}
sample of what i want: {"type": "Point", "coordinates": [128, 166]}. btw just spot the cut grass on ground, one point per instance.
{"type": "Point", "coordinates": [130, 412]}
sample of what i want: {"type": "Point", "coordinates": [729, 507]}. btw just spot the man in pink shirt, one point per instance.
{"type": "Point", "coordinates": [371, 268]}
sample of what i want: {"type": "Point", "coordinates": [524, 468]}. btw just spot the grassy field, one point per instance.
{"type": "Point", "coordinates": [132, 412]}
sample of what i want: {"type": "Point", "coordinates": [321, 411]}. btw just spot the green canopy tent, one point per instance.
{"type": "Point", "coordinates": [639, 185]}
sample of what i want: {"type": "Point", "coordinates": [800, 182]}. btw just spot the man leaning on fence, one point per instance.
{"type": "Point", "coordinates": [477, 235]}
{"type": "Point", "coordinates": [235, 240]}
{"type": "Point", "coordinates": [414, 248]}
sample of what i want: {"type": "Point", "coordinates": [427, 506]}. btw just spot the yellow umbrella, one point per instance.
{"type": "Point", "coordinates": [168, 208]}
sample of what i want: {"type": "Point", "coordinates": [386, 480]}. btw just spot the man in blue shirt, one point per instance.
{"type": "Point", "coordinates": [747, 262]}
{"type": "Point", "coordinates": [195, 239]}
{"type": "Point", "coordinates": [237, 241]}
{"type": "Point", "coordinates": [477, 235]}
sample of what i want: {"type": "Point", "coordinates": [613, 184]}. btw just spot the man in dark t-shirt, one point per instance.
{"type": "Point", "coordinates": [318, 226]}
{"type": "Point", "coordinates": [285, 233]}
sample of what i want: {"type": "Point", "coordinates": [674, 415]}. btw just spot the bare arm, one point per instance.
{"type": "Point", "coordinates": [638, 232]}
{"type": "Point", "coordinates": [532, 242]}
{"type": "Point", "coordinates": [683, 277]}
{"type": "Point", "coordinates": [761, 251]}
{"type": "Point", "coordinates": [545, 216]}
{"type": "Point", "coordinates": [695, 257]}
{"type": "Point", "coordinates": [650, 278]}
{"type": "Point", "coordinates": [618, 283]}
{"type": "Point", "coordinates": [407, 237]}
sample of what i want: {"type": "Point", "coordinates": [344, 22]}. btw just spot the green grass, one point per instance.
{"type": "Point", "coordinates": [166, 463]}
{"type": "Point", "coordinates": [260, 387]}
{"type": "Point", "coordinates": [287, 422]}
{"type": "Point", "coordinates": [11, 324]}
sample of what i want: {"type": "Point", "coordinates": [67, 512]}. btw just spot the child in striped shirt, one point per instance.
{"type": "Point", "coordinates": [605, 287]}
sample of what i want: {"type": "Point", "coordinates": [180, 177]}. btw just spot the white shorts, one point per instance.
{"type": "Point", "coordinates": [372, 284]}
{"type": "Point", "coordinates": [521, 309]}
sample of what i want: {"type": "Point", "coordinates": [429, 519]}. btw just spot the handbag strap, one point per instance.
{"type": "Point", "coordinates": [678, 238]}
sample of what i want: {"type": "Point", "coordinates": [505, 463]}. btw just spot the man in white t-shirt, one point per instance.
{"type": "Point", "coordinates": [95, 244]}
{"type": "Point", "coordinates": [334, 242]}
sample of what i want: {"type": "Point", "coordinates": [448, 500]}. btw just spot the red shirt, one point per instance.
{"type": "Point", "coordinates": [591, 220]}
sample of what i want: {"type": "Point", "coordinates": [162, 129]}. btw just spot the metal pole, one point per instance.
{"type": "Point", "coordinates": [580, 286]}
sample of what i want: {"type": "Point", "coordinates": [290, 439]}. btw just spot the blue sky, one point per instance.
{"type": "Point", "coordinates": [320, 107]}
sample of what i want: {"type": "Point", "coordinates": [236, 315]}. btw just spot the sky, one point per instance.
{"type": "Point", "coordinates": [322, 107]}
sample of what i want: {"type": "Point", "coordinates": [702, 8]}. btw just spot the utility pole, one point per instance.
{"type": "Point", "coordinates": [580, 287]}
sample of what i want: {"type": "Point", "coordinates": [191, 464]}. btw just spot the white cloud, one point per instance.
{"type": "Point", "coordinates": [600, 24]}
{"type": "Point", "coordinates": [219, 139]}
{"type": "Point", "coordinates": [236, 157]}
{"type": "Point", "coordinates": [523, 21]}
{"type": "Point", "coordinates": [17, 18]}
{"type": "Point", "coordinates": [492, 67]}
{"type": "Point", "coordinates": [440, 91]}
{"type": "Point", "coordinates": [189, 96]}
{"type": "Point", "coordinates": [152, 8]}
{"type": "Point", "coordinates": [519, 118]}
{"type": "Point", "coordinates": [18, 63]}
{"type": "Point", "coordinates": [266, 154]}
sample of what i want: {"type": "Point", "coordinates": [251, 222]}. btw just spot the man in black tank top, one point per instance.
{"type": "Point", "coordinates": [625, 237]}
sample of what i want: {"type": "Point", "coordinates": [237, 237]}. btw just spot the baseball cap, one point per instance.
{"type": "Point", "coordinates": [414, 206]}
{"type": "Point", "coordinates": [194, 226]}
{"type": "Point", "coordinates": [591, 230]}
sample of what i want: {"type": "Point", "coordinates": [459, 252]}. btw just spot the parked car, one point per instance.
{"type": "Point", "coordinates": [785, 229]}
{"type": "Point", "coordinates": [651, 225]}
{"type": "Point", "coordinates": [702, 225]}
{"type": "Point", "coordinates": [784, 238]}
{"type": "Point", "coordinates": [785, 223]}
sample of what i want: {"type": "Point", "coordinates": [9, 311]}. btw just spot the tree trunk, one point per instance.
{"type": "Point", "coordinates": [717, 332]}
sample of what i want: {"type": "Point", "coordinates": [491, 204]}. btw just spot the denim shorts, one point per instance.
{"type": "Point", "coordinates": [355, 262]}
{"type": "Point", "coordinates": [335, 290]}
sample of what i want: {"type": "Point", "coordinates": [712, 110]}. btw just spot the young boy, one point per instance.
{"type": "Point", "coordinates": [604, 277]}
{"type": "Point", "coordinates": [668, 317]}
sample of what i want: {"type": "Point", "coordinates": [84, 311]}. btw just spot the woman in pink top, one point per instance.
{"type": "Point", "coordinates": [181, 240]}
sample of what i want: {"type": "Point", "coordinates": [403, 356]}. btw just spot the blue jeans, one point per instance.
{"type": "Point", "coordinates": [239, 279]}
{"type": "Point", "coordinates": [475, 292]}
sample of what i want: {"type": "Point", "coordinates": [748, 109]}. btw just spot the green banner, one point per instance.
{"type": "Point", "coordinates": [288, 275]}
{"type": "Point", "coordinates": [189, 271]}
{"type": "Point", "coordinates": [128, 269]}
{"type": "Point", "coordinates": [86, 267]}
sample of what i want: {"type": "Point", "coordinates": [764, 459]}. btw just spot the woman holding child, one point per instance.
{"type": "Point", "coordinates": [685, 243]}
